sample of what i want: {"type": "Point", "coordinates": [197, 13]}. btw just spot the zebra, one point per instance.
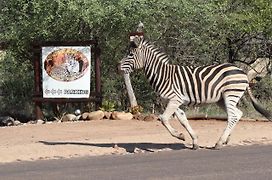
{"type": "Point", "coordinates": [223, 84]}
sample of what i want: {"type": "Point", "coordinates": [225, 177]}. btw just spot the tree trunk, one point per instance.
{"type": "Point", "coordinates": [134, 108]}
{"type": "Point", "coordinates": [131, 95]}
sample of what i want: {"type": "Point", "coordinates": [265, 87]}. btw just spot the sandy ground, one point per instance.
{"type": "Point", "coordinates": [106, 137]}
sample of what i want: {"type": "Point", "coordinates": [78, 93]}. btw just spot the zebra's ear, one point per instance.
{"type": "Point", "coordinates": [136, 41]}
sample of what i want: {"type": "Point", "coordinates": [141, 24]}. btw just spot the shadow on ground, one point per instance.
{"type": "Point", "coordinates": [129, 147]}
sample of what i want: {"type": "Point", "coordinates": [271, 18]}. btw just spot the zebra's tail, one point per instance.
{"type": "Point", "coordinates": [258, 106]}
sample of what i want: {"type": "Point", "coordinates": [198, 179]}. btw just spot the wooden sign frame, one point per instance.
{"type": "Point", "coordinates": [95, 95]}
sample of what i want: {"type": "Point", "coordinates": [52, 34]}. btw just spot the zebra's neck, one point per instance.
{"type": "Point", "coordinates": [156, 63]}
{"type": "Point", "coordinates": [153, 57]}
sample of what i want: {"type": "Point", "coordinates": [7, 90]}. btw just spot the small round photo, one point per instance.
{"type": "Point", "coordinates": [66, 64]}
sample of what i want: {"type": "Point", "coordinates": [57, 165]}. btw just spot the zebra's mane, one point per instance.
{"type": "Point", "coordinates": [163, 57]}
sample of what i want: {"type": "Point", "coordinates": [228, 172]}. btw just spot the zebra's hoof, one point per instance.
{"type": "Point", "coordinates": [227, 141]}
{"type": "Point", "coordinates": [217, 146]}
{"type": "Point", "coordinates": [195, 147]}
{"type": "Point", "coordinates": [181, 137]}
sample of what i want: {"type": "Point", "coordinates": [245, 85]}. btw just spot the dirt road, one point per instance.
{"type": "Point", "coordinates": [105, 137]}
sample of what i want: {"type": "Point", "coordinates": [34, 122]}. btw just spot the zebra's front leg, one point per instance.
{"type": "Point", "coordinates": [185, 123]}
{"type": "Point", "coordinates": [169, 111]}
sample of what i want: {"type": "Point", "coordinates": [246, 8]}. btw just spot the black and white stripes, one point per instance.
{"type": "Point", "coordinates": [207, 84]}
{"type": "Point", "coordinates": [224, 84]}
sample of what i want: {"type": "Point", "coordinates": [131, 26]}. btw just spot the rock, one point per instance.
{"type": "Point", "coordinates": [39, 121]}
{"type": "Point", "coordinates": [78, 117]}
{"type": "Point", "coordinates": [84, 116]}
{"type": "Point", "coordinates": [96, 115]}
{"type": "Point", "coordinates": [6, 121]}
{"type": "Point", "coordinates": [31, 122]}
{"type": "Point", "coordinates": [138, 150]}
{"type": "Point", "coordinates": [121, 116]}
{"type": "Point", "coordinates": [16, 123]}
{"type": "Point", "coordinates": [107, 115]}
{"type": "Point", "coordinates": [68, 117]}
{"type": "Point", "coordinates": [139, 117]}
{"type": "Point", "coordinates": [151, 117]}
{"type": "Point", "coordinates": [119, 150]}
{"type": "Point", "coordinates": [115, 146]}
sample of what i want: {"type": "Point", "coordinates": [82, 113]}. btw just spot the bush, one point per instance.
{"type": "Point", "coordinates": [263, 89]}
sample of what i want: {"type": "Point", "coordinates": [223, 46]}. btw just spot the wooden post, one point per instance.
{"type": "Point", "coordinates": [37, 82]}
{"type": "Point", "coordinates": [97, 63]}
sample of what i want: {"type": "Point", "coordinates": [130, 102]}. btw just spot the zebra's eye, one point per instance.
{"type": "Point", "coordinates": [130, 54]}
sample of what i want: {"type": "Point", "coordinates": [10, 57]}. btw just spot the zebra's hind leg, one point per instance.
{"type": "Point", "coordinates": [228, 139]}
{"type": "Point", "coordinates": [185, 123]}
{"type": "Point", "coordinates": [169, 111]}
{"type": "Point", "coordinates": [234, 115]}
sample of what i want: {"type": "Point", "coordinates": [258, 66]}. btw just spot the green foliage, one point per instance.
{"type": "Point", "coordinates": [16, 85]}
{"type": "Point", "coordinates": [263, 89]}
{"type": "Point", "coordinates": [136, 109]}
{"type": "Point", "coordinates": [108, 106]}
{"type": "Point", "coordinates": [190, 32]}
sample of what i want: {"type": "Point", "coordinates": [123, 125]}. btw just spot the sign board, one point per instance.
{"type": "Point", "coordinates": [66, 71]}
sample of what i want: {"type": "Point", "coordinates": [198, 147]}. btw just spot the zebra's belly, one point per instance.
{"type": "Point", "coordinates": [192, 102]}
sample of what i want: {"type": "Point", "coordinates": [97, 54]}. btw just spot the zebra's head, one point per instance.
{"type": "Point", "coordinates": [134, 59]}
